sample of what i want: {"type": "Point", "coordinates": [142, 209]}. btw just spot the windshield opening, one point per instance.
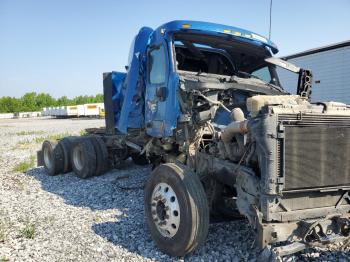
{"type": "Point", "coordinates": [222, 56]}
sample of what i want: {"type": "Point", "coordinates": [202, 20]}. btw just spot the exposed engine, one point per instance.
{"type": "Point", "coordinates": [258, 154]}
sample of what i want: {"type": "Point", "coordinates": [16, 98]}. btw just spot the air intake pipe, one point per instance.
{"type": "Point", "coordinates": [238, 126]}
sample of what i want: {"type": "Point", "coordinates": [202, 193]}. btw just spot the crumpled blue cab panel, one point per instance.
{"type": "Point", "coordinates": [118, 79]}
{"type": "Point", "coordinates": [131, 114]}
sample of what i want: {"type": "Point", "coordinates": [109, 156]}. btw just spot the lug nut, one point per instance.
{"type": "Point", "coordinates": [162, 223]}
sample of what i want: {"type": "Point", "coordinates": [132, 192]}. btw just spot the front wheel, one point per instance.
{"type": "Point", "coordinates": [176, 209]}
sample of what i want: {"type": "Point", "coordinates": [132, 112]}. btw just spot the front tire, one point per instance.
{"type": "Point", "coordinates": [176, 209]}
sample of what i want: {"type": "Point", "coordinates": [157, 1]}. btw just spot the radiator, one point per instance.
{"type": "Point", "coordinates": [316, 152]}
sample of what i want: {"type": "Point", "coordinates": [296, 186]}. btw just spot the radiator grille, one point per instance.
{"type": "Point", "coordinates": [316, 120]}
{"type": "Point", "coordinates": [317, 156]}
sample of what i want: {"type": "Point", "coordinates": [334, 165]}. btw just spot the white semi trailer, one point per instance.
{"type": "Point", "coordinates": [85, 110]}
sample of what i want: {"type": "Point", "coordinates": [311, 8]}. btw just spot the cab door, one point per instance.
{"type": "Point", "coordinates": [156, 89]}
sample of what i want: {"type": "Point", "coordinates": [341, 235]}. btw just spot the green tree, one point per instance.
{"type": "Point", "coordinates": [44, 100]}
{"type": "Point", "coordinates": [28, 102]}
{"type": "Point", "coordinates": [9, 105]}
{"type": "Point", "coordinates": [99, 98]}
{"type": "Point", "coordinates": [64, 101]}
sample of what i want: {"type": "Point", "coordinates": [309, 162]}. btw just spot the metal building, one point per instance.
{"type": "Point", "coordinates": [330, 66]}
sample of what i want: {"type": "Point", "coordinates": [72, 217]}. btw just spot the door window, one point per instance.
{"type": "Point", "coordinates": [157, 64]}
{"type": "Point", "coordinates": [263, 73]}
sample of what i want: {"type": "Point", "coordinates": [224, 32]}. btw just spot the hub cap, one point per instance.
{"type": "Point", "coordinates": [165, 210]}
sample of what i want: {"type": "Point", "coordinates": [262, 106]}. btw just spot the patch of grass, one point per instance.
{"type": "Point", "coordinates": [58, 136]}
{"type": "Point", "coordinates": [28, 231]}
{"type": "Point", "coordinates": [25, 133]}
{"type": "Point", "coordinates": [39, 139]}
{"type": "Point", "coordinates": [82, 132]}
{"type": "Point", "coordinates": [25, 165]}
{"type": "Point", "coordinates": [23, 143]}
{"type": "Point", "coordinates": [51, 137]}
{"type": "Point", "coordinates": [4, 259]}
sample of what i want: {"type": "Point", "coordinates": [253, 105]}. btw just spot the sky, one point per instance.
{"type": "Point", "coordinates": [62, 47]}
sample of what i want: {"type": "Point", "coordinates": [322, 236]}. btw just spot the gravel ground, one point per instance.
{"type": "Point", "coordinates": [64, 218]}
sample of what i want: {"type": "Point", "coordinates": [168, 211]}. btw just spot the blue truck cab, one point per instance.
{"type": "Point", "coordinates": [157, 58]}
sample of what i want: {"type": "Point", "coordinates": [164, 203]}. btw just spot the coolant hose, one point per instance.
{"type": "Point", "coordinates": [237, 127]}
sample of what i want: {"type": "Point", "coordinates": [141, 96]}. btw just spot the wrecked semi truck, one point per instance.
{"type": "Point", "coordinates": [203, 104]}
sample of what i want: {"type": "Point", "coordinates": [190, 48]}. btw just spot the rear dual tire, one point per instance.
{"type": "Point", "coordinates": [53, 157]}
{"type": "Point", "coordinates": [89, 157]}
{"type": "Point", "coordinates": [101, 155]}
{"type": "Point", "coordinates": [57, 156]}
{"type": "Point", "coordinates": [67, 147]}
{"type": "Point", "coordinates": [84, 158]}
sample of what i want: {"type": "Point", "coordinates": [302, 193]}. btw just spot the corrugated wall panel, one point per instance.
{"type": "Point", "coordinates": [331, 68]}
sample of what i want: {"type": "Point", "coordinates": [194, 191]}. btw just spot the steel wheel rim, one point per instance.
{"type": "Point", "coordinates": [78, 159]}
{"type": "Point", "coordinates": [165, 210]}
{"type": "Point", "coordinates": [48, 157]}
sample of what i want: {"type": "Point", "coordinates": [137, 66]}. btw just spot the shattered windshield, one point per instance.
{"type": "Point", "coordinates": [194, 57]}
{"type": "Point", "coordinates": [222, 56]}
